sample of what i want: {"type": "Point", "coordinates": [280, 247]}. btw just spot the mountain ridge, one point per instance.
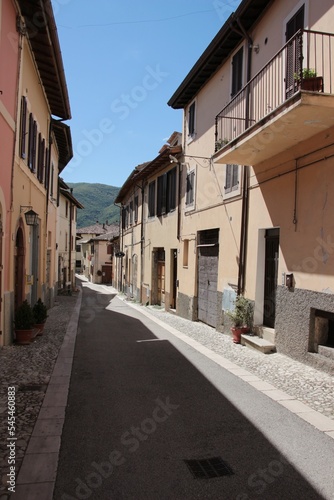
{"type": "Point", "coordinates": [98, 201]}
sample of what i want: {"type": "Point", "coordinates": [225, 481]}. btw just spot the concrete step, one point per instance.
{"type": "Point", "coordinates": [255, 342]}
{"type": "Point", "coordinates": [268, 334]}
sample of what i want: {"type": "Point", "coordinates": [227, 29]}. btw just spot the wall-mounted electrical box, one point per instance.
{"type": "Point", "coordinates": [289, 280]}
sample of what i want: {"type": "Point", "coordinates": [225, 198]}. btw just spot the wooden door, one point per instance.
{"type": "Point", "coordinates": [106, 274]}
{"type": "Point", "coordinates": [161, 282]}
{"type": "Point", "coordinates": [207, 284]}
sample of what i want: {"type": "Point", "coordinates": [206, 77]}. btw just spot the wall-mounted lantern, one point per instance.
{"type": "Point", "coordinates": [31, 217]}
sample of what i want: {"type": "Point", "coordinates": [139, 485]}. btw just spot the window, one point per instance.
{"type": "Point", "coordinates": [232, 178]}
{"type": "Point", "coordinates": [190, 187]}
{"type": "Point", "coordinates": [171, 190]}
{"type": "Point", "coordinates": [109, 249]}
{"type": "Point", "coordinates": [78, 248]}
{"type": "Point", "coordinates": [151, 199]}
{"type": "Point", "coordinates": [65, 242]}
{"type": "Point", "coordinates": [237, 67]}
{"type": "Point", "coordinates": [23, 133]}
{"type": "Point", "coordinates": [162, 194]}
{"type": "Point", "coordinates": [66, 209]}
{"type": "Point", "coordinates": [191, 119]}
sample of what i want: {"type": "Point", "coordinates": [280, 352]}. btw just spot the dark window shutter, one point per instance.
{"type": "Point", "coordinates": [191, 119]}
{"type": "Point", "coordinates": [171, 190]}
{"type": "Point", "coordinates": [151, 199]}
{"type": "Point", "coordinates": [23, 152]}
{"type": "Point", "coordinates": [237, 66]}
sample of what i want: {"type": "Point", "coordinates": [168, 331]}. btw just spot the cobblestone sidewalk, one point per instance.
{"type": "Point", "coordinates": [29, 368]}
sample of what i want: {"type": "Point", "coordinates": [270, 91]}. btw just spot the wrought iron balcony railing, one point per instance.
{"type": "Point", "coordinates": [305, 62]}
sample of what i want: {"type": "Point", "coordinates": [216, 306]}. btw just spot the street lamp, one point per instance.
{"type": "Point", "coordinates": [30, 216]}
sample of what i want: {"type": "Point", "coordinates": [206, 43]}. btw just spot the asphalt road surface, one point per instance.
{"type": "Point", "coordinates": [149, 417]}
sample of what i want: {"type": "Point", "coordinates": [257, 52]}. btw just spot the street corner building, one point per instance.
{"type": "Point", "coordinates": [36, 147]}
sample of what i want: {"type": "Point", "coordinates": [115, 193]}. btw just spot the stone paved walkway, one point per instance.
{"type": "Point", "coordinates": [29, 369]}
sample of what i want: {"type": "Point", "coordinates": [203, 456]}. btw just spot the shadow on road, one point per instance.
{"type": "Point", "coordinates": [138, 410]}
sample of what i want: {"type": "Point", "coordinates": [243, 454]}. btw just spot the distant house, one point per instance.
{"type": "Point", "coordinates": [97, 243]}
{"type": "Point", "coordinates": [66, 236]}
{"type": "Point", "coordinates": [150, 227]}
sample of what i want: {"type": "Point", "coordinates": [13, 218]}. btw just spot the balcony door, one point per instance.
{"type": "Point", "coordinates": [293, 57]}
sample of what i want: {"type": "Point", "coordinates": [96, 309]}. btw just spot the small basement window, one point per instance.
{"type": "Point", "coordinates": [322, 329]}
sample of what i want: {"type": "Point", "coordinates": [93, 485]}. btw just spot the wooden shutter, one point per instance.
{"type": "Point", "coordinates": [23, 133]}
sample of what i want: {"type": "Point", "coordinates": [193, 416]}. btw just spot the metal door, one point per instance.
{"type": "Point", "coordinates": [270, 277]}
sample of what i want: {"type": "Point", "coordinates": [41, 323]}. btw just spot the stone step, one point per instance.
{"type": "Point", "coordinates": [255, 342]}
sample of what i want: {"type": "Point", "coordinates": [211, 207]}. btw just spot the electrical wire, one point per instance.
{"type": "Point", "coordinates": [139, 21]}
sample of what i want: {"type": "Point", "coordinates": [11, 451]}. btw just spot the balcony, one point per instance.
{"type": "Point", "coordinates": [289, 101]}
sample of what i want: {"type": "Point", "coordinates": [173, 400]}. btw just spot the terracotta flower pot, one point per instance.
{"type": "Point", "coordinates": [23, 337]}
{"type": "Point", "coordinates": [236, 334]}
{"type": "Point", "coordinates": [40, 328]}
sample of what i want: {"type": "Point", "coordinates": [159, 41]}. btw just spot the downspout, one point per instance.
{"type": "Point", "coordinates": [179, 202]}
{"type": "Point", "coordinates": [245, 184]}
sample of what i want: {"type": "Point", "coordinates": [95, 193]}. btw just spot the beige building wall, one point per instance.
{"type": "Point", "coordinates": [131, 263]}
{"type": "Point", "coordinates": [28, 191]}
{"type": "Point", "coordinates": [288, 196]}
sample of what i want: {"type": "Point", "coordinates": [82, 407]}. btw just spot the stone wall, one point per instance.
{"type": "Point", "coordinates": [295, 323]}
{"type": "Point", "coordinates": [186, 307]}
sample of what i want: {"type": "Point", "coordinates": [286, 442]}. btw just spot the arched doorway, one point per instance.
{"type": "Point", "coordinates": [19, 268]}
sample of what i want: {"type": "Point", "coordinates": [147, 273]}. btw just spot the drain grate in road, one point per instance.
{"type": "Point", "coordinates": [28, 388]}
{"type": "Point", "coordinates": [209, 468]}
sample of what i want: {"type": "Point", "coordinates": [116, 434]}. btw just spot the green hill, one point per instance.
{"type": "Point", "coordinates": [98, 201]}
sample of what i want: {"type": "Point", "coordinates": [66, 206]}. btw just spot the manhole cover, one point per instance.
{"type": "Point", "coordinates": [209, 468]}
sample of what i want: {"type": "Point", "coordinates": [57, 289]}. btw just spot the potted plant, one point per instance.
{"type": "Point", "coordinates": [221, 143]}
{"type": "Point", "coordinates": [241, 317]}
{"type": "Point", "coordinates": [24, 321]}
{"type": "Point", "coordinates": [308, 80]}
{"type": "Point", "coordinates": [40, 314]}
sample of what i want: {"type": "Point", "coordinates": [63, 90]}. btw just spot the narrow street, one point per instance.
{"type": "Point", "coordinates": [142, 404]}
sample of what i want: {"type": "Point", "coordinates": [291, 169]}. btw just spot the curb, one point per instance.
{"type": "Point", "coordinates": [37, 475]}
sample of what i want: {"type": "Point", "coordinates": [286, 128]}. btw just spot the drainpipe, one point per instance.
{"type": "Point", "coordinates": [245, 184]}
{"type": "Point", "coordinates": [70, 248]}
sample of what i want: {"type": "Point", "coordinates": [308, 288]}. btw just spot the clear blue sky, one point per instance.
{"type": "Point", "coordinates": [123, 61]}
